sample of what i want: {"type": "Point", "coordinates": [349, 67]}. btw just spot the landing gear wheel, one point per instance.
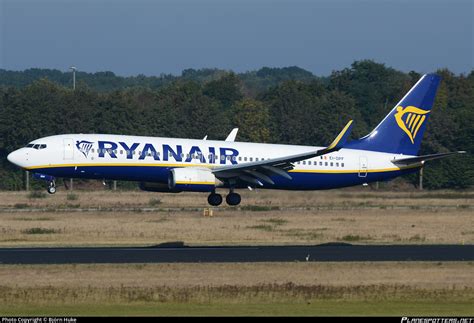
{"type": "Point", "coordinates": [233, 199]}
{"type": "Point", "coordinates": [51, 188]}
{"type": "Point", "coordinates": [214, 199]}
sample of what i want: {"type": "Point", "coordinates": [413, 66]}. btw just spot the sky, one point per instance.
{"type": "Point", "coordinates": [130, 37]}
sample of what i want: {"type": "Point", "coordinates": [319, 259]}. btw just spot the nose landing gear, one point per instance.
{"type": "Point", "coordinates": [51, 187]}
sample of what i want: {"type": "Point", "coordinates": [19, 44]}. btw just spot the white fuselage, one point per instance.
{"type": "Point", "coordinates": [149, 158]}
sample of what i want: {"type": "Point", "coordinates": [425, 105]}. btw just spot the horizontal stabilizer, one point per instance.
{"type": "Point", "coordinates": [424, 158]}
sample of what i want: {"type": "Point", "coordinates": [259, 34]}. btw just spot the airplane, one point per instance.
{"type": "Point", "coordinates": [188, 165]}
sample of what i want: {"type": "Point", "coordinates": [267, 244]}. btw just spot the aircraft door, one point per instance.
{"type": "Point", "coordinates": [68, 149]}
{"type": "Point", "coordinates": [362, 166]}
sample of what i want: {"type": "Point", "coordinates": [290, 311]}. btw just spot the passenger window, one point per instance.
{"type": "Point", "coordinates": [304, 162]}
{"type": "Point", "coordinates": [337, 164]}
{"type": "Point", "coordinates": [223, 157]}
{"type": "Point", "coordinates": [332, 164]}
{"type": "Point", "coordinates": [326, 163]}
{"type": "Point", "coordinates": [240, 158]}
{"type": "Point", "coordinates": [342, 164]}
{"type": "Point", "coordinates": [234, 158]}
{"type": "Point", "coordinates": [245, 158]}
{"type": "Point", "coordinates": [251, 159]}
{"type": "Point", "coordinates": [320, 163]}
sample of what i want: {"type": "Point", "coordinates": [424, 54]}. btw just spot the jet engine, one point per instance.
{"type": "Point", "coordinates": [192, 180]}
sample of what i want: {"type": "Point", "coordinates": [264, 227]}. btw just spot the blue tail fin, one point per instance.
{"type": "Point", "coordinates": [402, 129]}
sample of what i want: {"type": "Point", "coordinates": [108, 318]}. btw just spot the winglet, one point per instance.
{"type": "Point", "coordinates": [232, 135]}
{"type": "Point", "coordinates": [341, 138]}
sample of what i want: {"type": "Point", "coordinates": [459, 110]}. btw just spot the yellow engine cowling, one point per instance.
{"type": "Point", "coordinates": [192, 180]}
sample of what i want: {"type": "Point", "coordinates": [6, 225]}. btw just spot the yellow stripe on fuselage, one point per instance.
{"type": "Point", "coordinates": [196, 183]}
{"type": "Point", "coordinates": [115, 165]}
{"type": "Point", "coordinates": [323, 171]}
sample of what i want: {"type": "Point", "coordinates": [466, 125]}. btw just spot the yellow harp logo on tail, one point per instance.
{"type": "Point", "coordinates": [410, 120]}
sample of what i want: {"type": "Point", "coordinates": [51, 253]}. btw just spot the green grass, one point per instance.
{"type": "Point", "coordinates": [154, 202]}
{"type": "Point", "coordinates": [21, 205]}
{"type": "Point", "coordinates": [72, 197]}
{"type": "Point", "coordinates": [34, 219]}
{"type": "Point", "coordinates": [263, 227]}
{"type": "Point", "coordinates": [37, 195]}
{"type": "Point", "coordinates": [311, 308]}
{"type": "Point", "coordinates": [305, 234]}
{"type": "Point", "coordinates": [417, 238]}
{"type": "Point", "coordinates": [40, 231]}
{"type": "Point", "coordinates": [259, 208]}
{"type": "Point", "coordinates": [275, 221]}
{"type": "Point", "coordinates": [351, 237]}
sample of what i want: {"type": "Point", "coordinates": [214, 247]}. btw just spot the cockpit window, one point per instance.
{"type": "Point", "coordinates": [36, 146]}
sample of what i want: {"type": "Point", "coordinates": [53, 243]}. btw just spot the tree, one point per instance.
{"type": "Point", "coordinates": [252, 119]}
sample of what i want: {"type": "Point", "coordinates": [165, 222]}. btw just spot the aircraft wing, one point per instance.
{"type": "Point", "coordinates": [424, 158]}
{"type": "Point", "coordinates": [260, 171]}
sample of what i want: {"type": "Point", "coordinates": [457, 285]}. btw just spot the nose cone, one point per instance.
{"type": "Point", "coordinates": [15, 157]}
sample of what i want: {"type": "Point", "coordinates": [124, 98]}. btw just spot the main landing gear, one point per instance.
{"type": "Point", "coordinates": [51, 187]}
{"type": "Point", "coordinates": [214, 199]}
{"type": "Point", "coordinates": [232, 198]}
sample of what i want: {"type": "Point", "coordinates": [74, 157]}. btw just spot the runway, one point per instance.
{"type": "Point", "coordinates": [177, 253]}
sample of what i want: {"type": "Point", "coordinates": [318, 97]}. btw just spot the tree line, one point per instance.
{"type": "Point", "coordinates": [274, 105]}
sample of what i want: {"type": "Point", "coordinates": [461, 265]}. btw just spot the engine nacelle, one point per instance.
{"type": "Point", "coordinates": [192, 180]}
{"type": "Point", "coordinates": [156, 187]}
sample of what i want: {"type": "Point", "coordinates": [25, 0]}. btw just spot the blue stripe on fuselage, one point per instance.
{"type": "Point", "coordinates": [300, 180]}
